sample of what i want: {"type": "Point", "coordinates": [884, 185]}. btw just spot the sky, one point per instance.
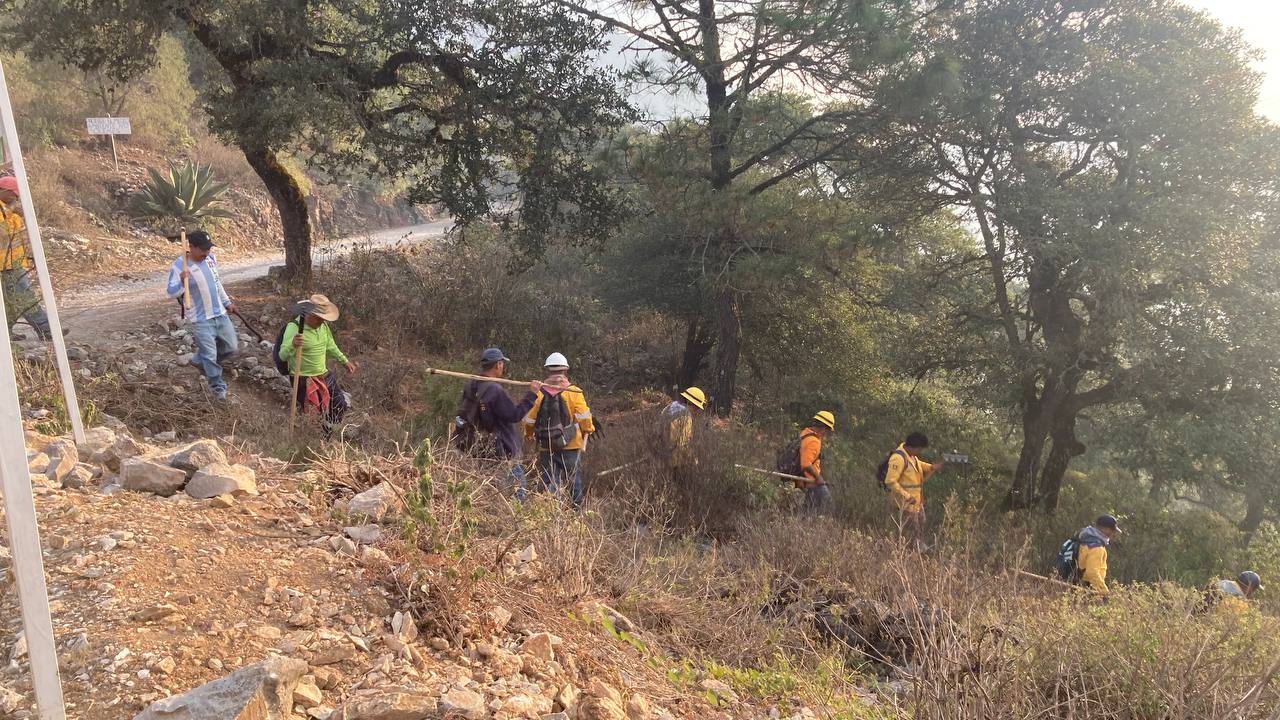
{"type": "Point", "coordinates": [1260, 22]}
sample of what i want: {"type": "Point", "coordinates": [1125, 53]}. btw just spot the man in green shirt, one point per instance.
{"type": "Point", "coordinates": [319, 388]}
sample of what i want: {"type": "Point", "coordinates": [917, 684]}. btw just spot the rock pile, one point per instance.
{"type": "Point", "coordinates": [119, 462]}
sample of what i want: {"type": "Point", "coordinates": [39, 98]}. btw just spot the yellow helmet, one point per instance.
{"type": "Point", "coordinates": [826, 418]}
{"type": "Point", "coordinates": [696, 397]}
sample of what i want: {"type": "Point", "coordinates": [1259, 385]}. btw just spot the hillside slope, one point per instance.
{"type": "Point", "coordinates": [154, 595]}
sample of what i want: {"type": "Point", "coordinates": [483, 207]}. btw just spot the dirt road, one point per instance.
{"type": "Point", "coordinates": [92, 313]}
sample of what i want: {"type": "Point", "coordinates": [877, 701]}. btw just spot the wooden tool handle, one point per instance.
{"type": "Point", "coordinates": [620, 468]}
{"type": "Point", "coordinates": [1049, 580]}
{"type": "Point", "coordinates": [186, 281]}
{"type": "Point", "coordinates": [485, 378]}
{"type": "Point", "coordinates": [775, 473]}
{"type": "Point", "coordinates": [297, 379]}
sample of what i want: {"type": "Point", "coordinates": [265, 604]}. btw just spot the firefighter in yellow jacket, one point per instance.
{"type": "Point", "coordinates": [560, 422]}
{"type": "Point", "coordinates": [1091, 562]}
{"type": "Point", "coordinates": [817, 497]}
{"type": "Point", "coordinates": [676, 428]}
{"type": "Point", "coordinates": [905, 480]}
{"type": "Point", "coordinates": [16, 269]}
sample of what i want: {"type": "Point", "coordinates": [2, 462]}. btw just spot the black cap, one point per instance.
{"type": "Point", "coordinates": [1107, 521]}
{"type": "Point", "coordinates": [492, 357]}
{"type": "Point", "coordinates": [199, 239]}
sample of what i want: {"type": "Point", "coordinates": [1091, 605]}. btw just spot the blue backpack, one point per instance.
{"type": "Point", "coordinates": [1068, 555]}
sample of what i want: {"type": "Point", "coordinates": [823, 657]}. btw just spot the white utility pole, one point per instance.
{"type": "Point", "coordinates": [37, 254]}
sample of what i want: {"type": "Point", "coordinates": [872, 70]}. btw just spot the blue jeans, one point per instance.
{"type": "Point", "coordinates": [17, 284]}
{"type": "Point", "coordinates": [518, 480]}
{"type": "Point", "coordinates": [215, 340]}
{"type": "Point", "coordinates": [559, 467]}
{"type": "Point", "coordinates": [816, 500]}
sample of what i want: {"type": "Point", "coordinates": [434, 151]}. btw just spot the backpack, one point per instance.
{"type": "Point", "coordinates": [553, 428]}
{"type": "Point", "coordinates": [282, 366]}
{"type": "Point", "coordinates": [882, 471]}
{"type": "Point", "coordinates": [471, 419]}
{"type": "Point", "coordinates": [1066, 559]}
{"type": "Point", "coordinates": [789, 459]}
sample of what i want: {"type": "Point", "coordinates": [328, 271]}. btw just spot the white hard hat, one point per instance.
{"type": "Point", "coordinates": [556, 360]}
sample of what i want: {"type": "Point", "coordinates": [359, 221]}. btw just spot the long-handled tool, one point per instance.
{"type": "Point", "coordinates": [620, 468]}
{"type": "Point", "coordinates": [301, 310]}
{"type": "Point", "coordinates": [186, 280]}
{"type": "Point", "coordinates": [1048, 580]}
{"type": "Point", "coordinates": [248, 326]}
{"type": "Point", "coordinates": [776, 474]}
{"type": "Point", "coordinates": [297, 380]}
{"type": "Point", "coordinates": [181, 238]}
{"type": "Point", "coordinates": [485, 378]}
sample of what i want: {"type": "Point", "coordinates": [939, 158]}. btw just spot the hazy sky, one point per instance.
{"type": "Point", "coordinates": [1260, 21]}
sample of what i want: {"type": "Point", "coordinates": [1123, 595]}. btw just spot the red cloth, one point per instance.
{"type": "Point", "coordinates": [317, 395]}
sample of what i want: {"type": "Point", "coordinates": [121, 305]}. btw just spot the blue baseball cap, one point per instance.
{"type": "Point", "coordinates": [492, 356]}
{"type": "Point", "coordinates": [1107, 521]}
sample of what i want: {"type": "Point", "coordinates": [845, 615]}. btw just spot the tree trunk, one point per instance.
{"type": "Point", "coordinates": [1065, 447]}
{"type": "Point", "coordinates": [1035, 434]}
{"type": "Point", "coordinates": [1255, 495]}
{"type": "Point", "coordinates": [728, 347]}
{"type": "Point", "coordinates": [291, 203]}
{"type": "Point", "coordinates": [697, 344]}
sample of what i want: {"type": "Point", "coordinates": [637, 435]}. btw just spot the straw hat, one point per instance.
{"type": "Point", "coordinates": [323, 308]}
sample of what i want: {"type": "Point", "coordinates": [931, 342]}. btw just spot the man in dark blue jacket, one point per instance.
{"type": "Point", "coordinates": [499, 415]}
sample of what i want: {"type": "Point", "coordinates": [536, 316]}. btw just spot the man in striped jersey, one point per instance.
{"type": "Point", "coordinates": [207, 315]}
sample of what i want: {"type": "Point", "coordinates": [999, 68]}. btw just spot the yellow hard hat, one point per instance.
{"type": "Point", "coordinates": [826, 418]}
{"type": "Point", "coordinates": [696, 396]}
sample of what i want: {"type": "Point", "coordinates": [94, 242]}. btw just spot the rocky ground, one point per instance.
{"type": "Point", "coordinates": [200, 580]}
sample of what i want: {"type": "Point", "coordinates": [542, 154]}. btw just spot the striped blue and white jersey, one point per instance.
{"type": "Point", "coordinates": [208, 299]}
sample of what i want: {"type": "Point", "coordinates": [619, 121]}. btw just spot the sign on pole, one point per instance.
{"type": "Point", "coordinates": [108, 126]}
{"type": "Point", "coordinates": [19, 507]}
{"type": "Point", "coordinates": [111, 127]}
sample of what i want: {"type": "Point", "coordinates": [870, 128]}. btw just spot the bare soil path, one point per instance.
{"type": "Point", "coordinates": [94, 312]}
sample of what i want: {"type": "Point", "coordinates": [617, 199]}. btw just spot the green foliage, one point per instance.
{"type": "Point", "coordinates": [187, 195]}
{"type": "Point", "coordinates": [418, 513]}
{"type": "Point", "coordinates": [162, 104]}
{"type": "Point", "coordinates": [488, 108]}
{"type": "Point", "coordinates": [48, 109]}
{"type": "Point", "coordinates": [51, 101]}
{"type": "Point", "coordinates": [1123, 218]}
{"type": "Point", "coordinates": [456, 298]}
{"type": "Point", "coordinates": [444, 531]}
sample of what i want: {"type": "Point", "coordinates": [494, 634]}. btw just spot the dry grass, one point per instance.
{"type": "Point", "coordinates": [786, 608]}
{"type": "Point", "coordinates": [228, 163]}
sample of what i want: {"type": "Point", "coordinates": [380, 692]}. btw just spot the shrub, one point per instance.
{"type": "Point", "coordinates": [186, 195]}
{"type": "Point", "coordinates": [455, 298]}
{"type": "Point", "coordinates": [741, 609]}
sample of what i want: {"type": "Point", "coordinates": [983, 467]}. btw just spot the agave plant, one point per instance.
{"type": "Point", "coordinates": [186, 196]}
